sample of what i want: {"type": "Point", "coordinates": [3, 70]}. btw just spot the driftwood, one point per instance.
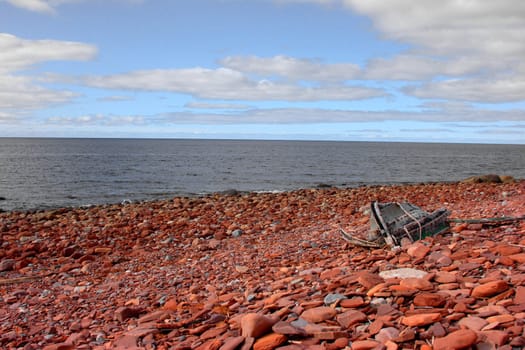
{"type": "Point", "coordinates": [358, 241]}
{"type": "Point", "coordinates": [18, 280]}
{"type": "Point", "coordinates": [14, 280]}
{"type": "Point", "coordinates": [499, 221]}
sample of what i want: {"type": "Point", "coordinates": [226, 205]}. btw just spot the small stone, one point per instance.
{"type": "Point", "coordinates": [519, 297]}
{"type": "Point", "coordinates": [421, 319]}
{"type": "Point", "coordinates": [437, 330]}
{"type": "Point", "coordinates": [364, 345]}
{"type": "Point", "coordinates": [349, 318]}
{"type": "Point", "coordinates": [237, 233]}
{"type": "Point", "coordinates": [126, 342]}
{"type": "Point", "coordinates": [171, 305]}
{"type": "Point", "coordinates": [501, 319]}
{"type": "Point", "coordinates": [255, 325]}
{"type": "Point", "coordinates": [386, 334]}
{"type": "Point", "coordinates": [123, 313]}
{"type": "Point", "coordinates": [519, 258]}
{"type": "Point", "coordinates": [339, 343]}
{"type": "Point", "coordinates": [489, 289]}
{"type": "Point", "coordinates": [286, 328]}
{"type": "Point", "coordinates": [375, 327]}
{"type": "Point", "coordinates": [155, 316]}
{"type": "Point", "coordinates": [439, 258]}
{"type": "Point", "coordinates": [232, 343]}
{"type": "Point", "coordinates": [329, 335]}
{"type": "Point", "coordinates": [7, 265]}
{"type": "Point", "coordinates": [242, 268]}
{"type": "Point", "coordinates": [505, 249]}
{"type": "Point", "coordinates": [331, 298]}
{"type": "Point", "coordinates": [212, 344]}
{"type": "Point", "coordinates": [473, 322]}
{"type": "Point", "coordinates": [495, 337]}
{"type": "Point", "coordinates": [103, 250]}
{"type": "Point", "coordinates": [416, 283]}
{"type": "Point", "coordinates": [429, 299]}
{"type": "Point", "coordinates": [269, 342]}
{"type": "Point", "coordinates": [460, 339]}
{"type": "Point", "coordinates": [418, 250]}
{"type": "Point", "coordinates": [352, 303]}
{"type": "Point", "coordinates": [318, 314]}
{"type": "Point", "coordinates": [445, 277]}
{"type": "Point", "coordinates": [369, 280]}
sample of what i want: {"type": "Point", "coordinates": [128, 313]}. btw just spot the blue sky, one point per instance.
{"type": "Point", "coordinates": [397, 70]}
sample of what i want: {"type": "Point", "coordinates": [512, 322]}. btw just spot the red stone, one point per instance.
{"type": "Point", "coordinates": [364, 344]}
{"type": "Point", "coordinates": [349, 318]}
{"type": "Point", "coordinates": [418, 250]}
{"type": "Point", "coordinates": [473, 322]}
{"type": "Point", "coordinates": [416, 283]}
{"type": "Point", "coordinates": [519, 297]}
{"type": "Point", "coordinates": [171, 305]}
{"type": "Point", "coordinates": [269, 342]}
{"type": "Point", "coordinates": [460, 339]}
{"type": "Point", "coordinates": [429, 299]}
{"type": "Point", "coordinates": [123, 313]}
{"type": "Point", "coordinates": [489, 289]}
{"type": "Point", "coordinates": [352, 302]}
{"type": "Point", "coordinates": [369, 280]}
{"type": "Point", "coordinates": [421, 319]}
{"type": "Point", "coordinates": [519, 258]}
{"type": "Point", "coordinates": [255, 325]}
{"type": "Point", "coordinates": [232, 343]}
{"type": "Point", "coordinates": [495, 337]}
{"type": "Point", "coordinates": [318, 314]}
{"type": "Point", "coordinates": [445, 277]}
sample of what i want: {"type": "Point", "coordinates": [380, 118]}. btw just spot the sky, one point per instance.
{"type": "Point", "coordinates": [351, 70]}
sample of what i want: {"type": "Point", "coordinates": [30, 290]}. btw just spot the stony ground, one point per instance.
{"type": "Point", "coordinates": [264, 271]}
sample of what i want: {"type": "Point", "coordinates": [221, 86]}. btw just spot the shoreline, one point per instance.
{"type": "Point", "coordinates": [320, 186]}
{"type": "Point", "coordinates": [184, 272]}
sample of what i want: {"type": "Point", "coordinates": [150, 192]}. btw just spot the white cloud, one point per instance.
{"type": "Point", "coordinates": [97, 119]}
{"type": "Point", "coordinates": [450, 26]}
{"type": "Point", "coordinates": [303, 116]}
{"type": "Point", "coordinates": [17, 54]}
{"type": "Point", "coordinates": [21, 92]}
{"type": "Point", "coordinates": [207, 105]}
{"type": "Point", "coordinates": [478, 44]}
{"type": "Point", "coordinates": [478, 90]}
{"type": "Point", "coordinates": [292, 68]}
{"type": "Point", "coordinates": [226, 84]}
{"type": "Point", "coordinates": [33, 5]}
{"type": "Point", "coordinates": [49, 6]}
{"type": "Point", "coordinates": [419, 67]}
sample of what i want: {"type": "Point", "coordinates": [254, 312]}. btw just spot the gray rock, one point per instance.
{"type": "Point", "coordinates": [403, 273]}
{"type": "Point", "coordinates": [237, 233]}
{"type": "Point", "coordinates": [331, 298]}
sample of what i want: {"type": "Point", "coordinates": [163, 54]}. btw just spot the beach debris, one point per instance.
{"type": "Point", "coordinates": [392, 222]}
{"type": "Point", "coordinates": [489, 178]}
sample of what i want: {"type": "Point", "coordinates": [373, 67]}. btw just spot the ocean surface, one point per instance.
{"type": "Point", "coordinates": [51, 173]}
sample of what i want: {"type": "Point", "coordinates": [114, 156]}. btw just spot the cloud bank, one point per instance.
{"type": "Point", "coordinates": [22, 92]}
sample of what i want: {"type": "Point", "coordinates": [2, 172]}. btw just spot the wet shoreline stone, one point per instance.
{"type": "Point", "coordinates": [173, 275]}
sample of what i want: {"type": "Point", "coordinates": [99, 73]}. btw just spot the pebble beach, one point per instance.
{"type": "Point", "coordinates": [265, 271]}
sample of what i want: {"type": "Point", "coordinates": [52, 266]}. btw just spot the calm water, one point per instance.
{"type": "Point", "coordinates": [48, 173]}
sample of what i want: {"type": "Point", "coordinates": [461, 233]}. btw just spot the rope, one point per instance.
{"type": "Point", "coordinates": [416, 220]}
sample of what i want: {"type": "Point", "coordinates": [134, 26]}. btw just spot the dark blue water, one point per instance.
{"type": "Point", "coordinates": [50, 173]}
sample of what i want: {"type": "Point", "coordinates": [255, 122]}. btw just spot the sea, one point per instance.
{"type": "Point", "coordinates": [46, 173]}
